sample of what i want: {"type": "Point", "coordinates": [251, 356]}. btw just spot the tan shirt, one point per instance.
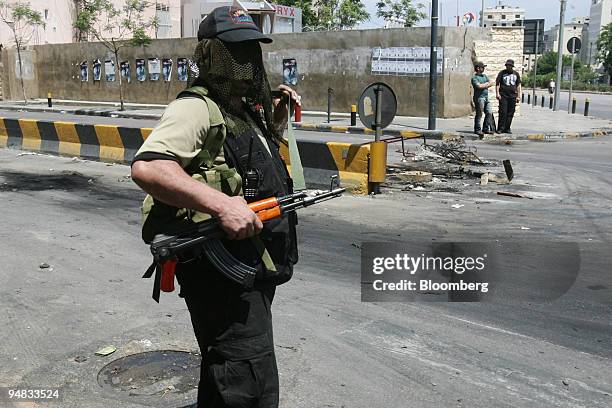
{"type": "Point", "coordinates": [180, 132]}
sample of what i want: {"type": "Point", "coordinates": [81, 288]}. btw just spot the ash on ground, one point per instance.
{"type": "Point", "coordinates": [453, 165]}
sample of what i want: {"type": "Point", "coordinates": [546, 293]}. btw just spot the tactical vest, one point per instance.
{"type": "Point", "coordinates": [221, 164]}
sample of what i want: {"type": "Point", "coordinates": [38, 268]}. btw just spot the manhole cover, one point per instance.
{"type": "Point", "coordinates": [155, 374]}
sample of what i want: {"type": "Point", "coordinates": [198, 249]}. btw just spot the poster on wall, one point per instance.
{"type": "Point", "coordinates": [97, 70]}
{"type": "Point", "coordinates": [124, 68]}
{"type": "Point", "coordinates": [154, 69]}
{"type": "Point", "coordinates": [181, 69]}
{"type": "Point", "coordinates": [141, 73]}
{"type": "Point", "coordinates": [167, 69]}
{"type": "Point", "coordinates": [404, 61]}
{"type": "Point", "coordinates": [290, 73]}
{"type": "Point", "coordinates": [84, 71]}
{"type": "Point", "coordinates": [109, 70]}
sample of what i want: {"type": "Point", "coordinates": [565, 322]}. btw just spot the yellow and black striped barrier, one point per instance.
{"type": "Point", "coordinates": [119, 144]}
{"type": "Point", "coordinates": [97, 142]}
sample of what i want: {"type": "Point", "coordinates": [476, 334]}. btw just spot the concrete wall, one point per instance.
{"type": "Point", "coordinates": [340, 60]}
{"type": "Point", "coordinates": [59, 71]}
{"type": "Point", "coordinates": [11, 84]}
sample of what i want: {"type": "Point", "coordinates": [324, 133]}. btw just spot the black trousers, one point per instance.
{"type": "Point", "coordinates": [506, 113]}
{"type": "Point", "coordinates": [234, 331]}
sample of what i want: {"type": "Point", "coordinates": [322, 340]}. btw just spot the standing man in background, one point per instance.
{"type": "Point", "coordinates": [507, 90]}
{"type": "Point", "coordinates": [481, 85]}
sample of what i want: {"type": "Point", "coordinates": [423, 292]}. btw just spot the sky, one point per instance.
{"type": "Point", "coordinates": [546, 9]}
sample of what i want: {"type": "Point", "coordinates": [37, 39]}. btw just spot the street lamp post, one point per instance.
{"type": "Point", "coordinates": [482, 14]}
{"type": "Point", "coordinates": [560, 54]}
{"type": "Point", "coordinates": [433, 66]}
{"type": "Point", "coordinates": [535, 69]}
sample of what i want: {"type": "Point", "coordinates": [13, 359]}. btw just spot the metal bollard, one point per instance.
{"type": "Point", "coordinates": [353, 115]}
{"type": "Point", "coordinates": [49, 100]}
{"type": "Point", "coordinates": [586, 107]}
{"type": "Point", "coordinates": [550, 102]}
{"type": "Point", "coordinates": [523, 97]}
{"type": "Point", "coordinates": [528, 99]}
{"type": "Point", "coordinates": [574, 105]}
{"type": "Point", "coordinates": [330, 92]}
{"type": "Point", "coordinates": [535, 100]}
{"type": "Point", "coordinates": [542, 100]}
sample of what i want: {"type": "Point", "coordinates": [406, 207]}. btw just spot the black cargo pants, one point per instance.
{"type": "Point", "coordinates": [234, 331]}
{"type": "Point", "coordinates": [507, 106]}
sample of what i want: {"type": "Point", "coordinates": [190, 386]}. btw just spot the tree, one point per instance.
{"type": "Point", "coordinates": [604, 48]}
{"type": "Point", "coordinates": [115, 27]}
{"type": "Point", "coordinates": [547, 63]}
{"type": "Point", "coordinates": [23, 21]}
{"type": "Point", "coordinates": [78, 35]}
{"type": "Point", "coordinates": [401, 9]}
{"type": "Point", "coordinates": [547, 69]}
{"type": "Point", "coordinates": [320, 15]}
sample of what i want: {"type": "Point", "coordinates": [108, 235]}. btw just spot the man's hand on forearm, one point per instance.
{"type": "Point", "coordinates": [166, 181]}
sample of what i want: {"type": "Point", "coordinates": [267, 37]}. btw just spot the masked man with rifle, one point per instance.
{"type": "Point", "coordinates": [216, 149]}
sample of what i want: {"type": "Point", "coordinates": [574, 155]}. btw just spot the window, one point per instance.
{"type": "Point", "coordinates": [517, 16]}
{"type": "Point", "coordinates": [503, 24]}
{"type": "Point", "coordinates": [490, 17]}
{"type": "Point", "coordinates": [503, 16]}
{"type": "Point", "coordinates": [494, 24]}
{"type": "Point", "coordinates": [46, 14]}
{"type": "Point", "coordinates": [162, 14]}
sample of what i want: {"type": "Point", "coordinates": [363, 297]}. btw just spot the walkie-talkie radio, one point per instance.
{"type": "Point", "coordinates": [251, 178]}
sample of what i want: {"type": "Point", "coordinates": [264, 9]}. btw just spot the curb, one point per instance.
{"type": "Point", "coordinates": [439, 135]}
{"type": "Point", "coordinates": [360, 130]}
{"type": "Point", "coordinates": [553, 137]}
{"type": "Point", "coordinates": [320, 160]}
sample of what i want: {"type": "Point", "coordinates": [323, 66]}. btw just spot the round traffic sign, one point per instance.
{"type": "Point", "coordinates": [366, 106]}
{"type": "Point", "coordinates": [577, 45]}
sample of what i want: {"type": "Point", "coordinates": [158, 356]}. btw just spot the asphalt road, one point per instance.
{"type": "Point", "coordinates": [600, 105]}
{"type": "Point", "coordinates": [333, 350]}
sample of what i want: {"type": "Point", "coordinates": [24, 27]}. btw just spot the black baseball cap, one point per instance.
{"type": "Point", "coordinates": [510, 62]}
{"type": "Point", "coordinates": [230, 24]}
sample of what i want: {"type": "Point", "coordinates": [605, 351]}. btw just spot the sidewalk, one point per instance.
{"type": "Point", "coordinates": [535, 123]}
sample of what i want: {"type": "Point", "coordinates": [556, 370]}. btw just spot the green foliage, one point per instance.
{"type": "Point", "coordinates": [403, 9]}
{"type": "Point", "coordinates": [101, 20]}
{"type": "Point", "coordinates": [21, 18]}
{"type": "Point", "coordinates": [320, 15]}
{"type": "Point", "coordinates": [604, 48]}
{"type": "Point", "coordinates": [350, 13]}
{"type": "Point", "coordinates": [547, 63]}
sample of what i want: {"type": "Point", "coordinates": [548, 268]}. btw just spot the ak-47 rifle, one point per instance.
{"type": "Point", "coordinates": [207, 234]}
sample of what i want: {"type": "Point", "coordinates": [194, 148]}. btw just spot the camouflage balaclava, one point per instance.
{"type": "Point", "coordinates": [220, 66]}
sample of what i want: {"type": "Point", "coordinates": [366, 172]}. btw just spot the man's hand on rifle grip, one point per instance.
{"type": "Point", "coordinates": [238, 220]}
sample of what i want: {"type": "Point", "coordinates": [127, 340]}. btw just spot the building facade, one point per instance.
{"type": "Point", "coordinates": [573, 29]}
{"type": "Point", "coordinates": [600, 16]}
{"type": "Point", "coordinates": [503, 15]}
{"type": "Point", "coordinates": [59, 17]}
